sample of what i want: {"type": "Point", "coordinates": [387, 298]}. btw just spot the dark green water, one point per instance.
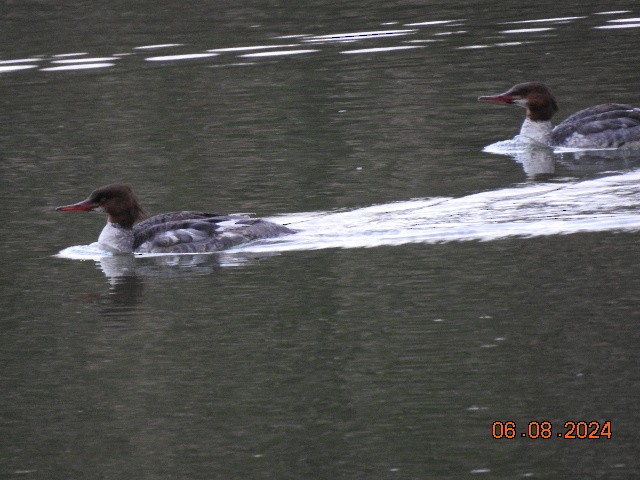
{"type": "Point", "coordinates": [387, 362]}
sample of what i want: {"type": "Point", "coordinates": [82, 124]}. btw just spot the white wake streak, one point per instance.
{"type": "Point", "coordinates": [605, 204]}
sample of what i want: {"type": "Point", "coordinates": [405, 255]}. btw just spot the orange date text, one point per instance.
{"type": "Point", "coordinates": [590, 430]}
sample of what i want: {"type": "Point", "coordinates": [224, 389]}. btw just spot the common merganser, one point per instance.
{"type": "Point", "coordinates": [175, 232]}
{"type": "Point", "coordinates": [610, 125]}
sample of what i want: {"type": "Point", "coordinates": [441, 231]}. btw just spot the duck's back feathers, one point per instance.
{"type": "Point", "coordinates": [610, 125]}
{"type": "Point", "coordinates": [197, 232]}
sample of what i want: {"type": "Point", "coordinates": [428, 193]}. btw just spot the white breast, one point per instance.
{"type": "Point", "coordinates": [114, 238]}
{"type": "Point", "coordinates": [537, 131]}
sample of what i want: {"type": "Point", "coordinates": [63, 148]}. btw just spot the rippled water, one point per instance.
{"type": "Point", "coordinates": [458, 33]}
{"type": "Point", "coordinates": [444, 277]}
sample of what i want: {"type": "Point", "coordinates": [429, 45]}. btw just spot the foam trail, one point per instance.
{"type": "Point", "coordinates": [605, 204]}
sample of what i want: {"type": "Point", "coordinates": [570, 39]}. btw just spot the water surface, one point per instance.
{"type": "Point", "coordinates": [436, 286]}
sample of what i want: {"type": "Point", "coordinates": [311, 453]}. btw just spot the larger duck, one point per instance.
{"type": "Point", "coordinates": [175, 232]}
{"type": "Point", "coordinates": [611, 125]}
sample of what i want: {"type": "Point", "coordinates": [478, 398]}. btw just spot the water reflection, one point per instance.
{"type": "Point", "coordinates": [621, 23]}
{"type": "Point", "coordinates": [252, 47]}
{"type": "Point", "coordinates": [118, 266]}
{"type": "Point", "coordinates": [280, 53]}
{"type": "Point", "coordinates": [537, 160]}
{"type": "Point", "coordinates": [590, 162]}
{"type": "Point", "coordinates": [127, 275]}
{"type": "Point", "coordinates": [15, 68]}
{"type": "Point", "coordinates": [124, 297]}
{"type": "Point", "coordinates": [19, 60]}
{"type": "Point", "coordinates": [528, 30]}
{"type": "Point", "coordinates": [355, 36]}
{"type": "Point", "coordinates": [426, 31]}
{"type": "Point", "coordinates": [186, 56]}
{"type": "Point", "coordinates": [79, 66]}
{"type": "Point", "coordinates": [158, 46]}
{"type": "Point", "coordinates": [540, 162]}
{"type": "Point", "coordinates": [548, 20]}
{"type": "Point", "coordinates": [85, 60]}
{"type": "Point", "coordinates": [433, 23]}
{"type": "Point", "coordinates": [382, 49]}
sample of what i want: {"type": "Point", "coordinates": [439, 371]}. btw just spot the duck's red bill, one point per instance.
{"type": "Point", "coordinates": [497, 98]}
{"type": "Point", "coordinates": [83, 206]}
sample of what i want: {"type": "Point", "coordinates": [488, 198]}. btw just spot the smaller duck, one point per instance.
{"type": "Point", "coordinates": [175, 232]}
{"type": "Point", "coordinates": [610, 125]}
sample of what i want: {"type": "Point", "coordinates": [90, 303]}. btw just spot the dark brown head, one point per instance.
{"type": "Point", "coordinates": [534, 96]}
{"type": "Point", "coordinates": [117, 200]}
